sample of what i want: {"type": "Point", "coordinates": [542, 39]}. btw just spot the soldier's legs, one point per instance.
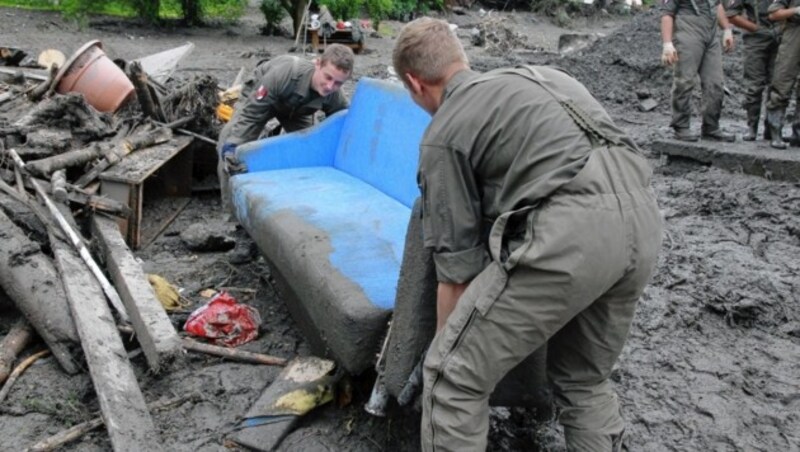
{"type": "Point", "coordinates": [787, 67]}
{"type": "Point", "coordinates": [711, 83]}
{"type": "Point", "coordinates": [582, 246]}
{"type": "Point", "coordinates": [759, 53]}
{"type": "Point", "coordinates": [691, 49]}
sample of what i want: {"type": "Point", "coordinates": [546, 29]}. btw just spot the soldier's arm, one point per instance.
{"type": "Point", "coordinates": [253, 112]}
{"type": "Point", "coordinates": [737, 16]}
{"type": "Point", "coordinates": [452, 218]}
{"type": "Point", "coordinates": [780, 10]}
{"type": "Point", "coordinates": [742, 22]}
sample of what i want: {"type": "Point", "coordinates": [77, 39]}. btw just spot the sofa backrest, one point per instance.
{"type": "Point", "coordinates": [379, 142]}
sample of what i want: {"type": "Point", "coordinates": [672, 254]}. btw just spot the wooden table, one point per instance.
{"type": "Point", "coordinates": [344, 37]}
{"type": "Point", "coordinates": [159, 176]}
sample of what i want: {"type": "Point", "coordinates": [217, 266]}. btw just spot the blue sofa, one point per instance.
{"type": "Point", "coordinates": [329, 207]}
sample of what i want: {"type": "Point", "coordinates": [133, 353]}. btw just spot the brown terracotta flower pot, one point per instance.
{"type": "Point", "coordinates": [90, 72]}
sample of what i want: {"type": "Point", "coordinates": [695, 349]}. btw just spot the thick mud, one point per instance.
{"type": "Point", "coordinates": [713, 361]}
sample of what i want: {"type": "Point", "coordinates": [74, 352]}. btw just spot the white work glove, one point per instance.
{"type": "Point", "coordinates": [668, 54]}
{"type": "Point", "coordinates": [727, 39]}
{"type": "Point", "coordinates": [797, 10]}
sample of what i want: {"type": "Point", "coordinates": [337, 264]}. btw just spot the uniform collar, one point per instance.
{"type": "Point", "coordinates": [457, 80]}
{"type": "Point", "coordinates": [303, 86]}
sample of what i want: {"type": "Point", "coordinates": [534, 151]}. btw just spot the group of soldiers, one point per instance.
{"type": "Point", "coordinates": [691, 44]}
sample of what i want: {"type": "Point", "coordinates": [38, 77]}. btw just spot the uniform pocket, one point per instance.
{"type": "Point", "coordinates": [485, 288]}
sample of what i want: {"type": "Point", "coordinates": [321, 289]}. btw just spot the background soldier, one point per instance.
{"type": "Point", "coordinates": [694, 49]}
{"type": "Point", "coordinates": [761, 38]}
{"type": "Point", "coordinates": [787, 68]}
{"type": "Point", "coordinates": [287, 88]}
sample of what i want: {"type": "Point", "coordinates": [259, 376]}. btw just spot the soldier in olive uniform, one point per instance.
{"type": "Point", "coordinates": [691, 44]}
{"type": "Point", "coordinates": [289, 89]}
{"type": "Point", "coordinates": [544, 228]}
{"type": "Point", "coordinates": [761, 38]}
{"type": "Point", "coordinates": [787, 68]}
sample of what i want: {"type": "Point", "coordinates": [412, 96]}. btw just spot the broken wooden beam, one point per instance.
{"type": "Point", "coordinates": [127, 419]}
{"type": "Point", "coordinates": [122, 149]}
{"type": "Point", "coordinates": [75, 239]}
{"type": "Point", "coordinates": [18, 337]}
{"type": "Point", "coordinates": [158, 338]}
{"type": "Point", "coordinates": [58, 186]}
{"type": "Point", "coordinates": [46, 166]}
{"type": "Point", "coordinates": [139, 79]}
{"type": "Point", "coordinates": [79, 196]}
{"type": "Point", "coordinates": [30, 279]}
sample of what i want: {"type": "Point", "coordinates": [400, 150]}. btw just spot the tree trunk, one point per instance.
{"type": "Point", "coordinates": [191, 12]}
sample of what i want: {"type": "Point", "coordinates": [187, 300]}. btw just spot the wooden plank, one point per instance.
{"type": "Point", "coordinates": [127, 419]}
{"type": "Point", "coordinates": [158, 338]}
{"type": "Point", "coordinates": [138, 166]}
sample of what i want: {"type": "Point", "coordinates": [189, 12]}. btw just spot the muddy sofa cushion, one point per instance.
{"type": "Point", "coordinates": [379, 142]}
{"type": "Point", "coordinates": [338, 242]}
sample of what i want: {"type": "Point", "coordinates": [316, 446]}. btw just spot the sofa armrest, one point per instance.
{"type": "Point", "coordinates": [315, 146]}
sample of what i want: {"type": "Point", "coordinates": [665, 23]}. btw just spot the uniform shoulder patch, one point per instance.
{"type": "Point", "coordinates": [261, 92]}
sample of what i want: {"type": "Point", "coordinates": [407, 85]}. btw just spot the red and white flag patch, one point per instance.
{"type": "Point", "coordinates": [261, 92]}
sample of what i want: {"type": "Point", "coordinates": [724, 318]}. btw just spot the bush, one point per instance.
{"type": "Point", "coordinates": [343, 9]}
{"type": "Point", "coordinates": [378, 10]}
{"type": "Point", "coordinates": [408, 9]}
{"type": "Point", "coordinates": [273, 13]}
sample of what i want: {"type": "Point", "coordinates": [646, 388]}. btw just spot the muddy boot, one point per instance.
{"type": "Point", "coordinates": [684, 134]}
{"type": "Point", "coordinates": [775, 123]}
{"type": "Point", "coordinates": [753, 116]}
{"type": "Point", "coordinates": [719, 135]}
{"type": "Point", "coordinates": [795, 138]}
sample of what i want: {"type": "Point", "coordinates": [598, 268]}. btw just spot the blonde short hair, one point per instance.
{"type": "Point", "coordinates": [426, 47]}
{"type": "Point", "coordinates": [340, 56]}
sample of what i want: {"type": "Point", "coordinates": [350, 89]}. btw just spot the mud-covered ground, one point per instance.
{"type": "Point", "coordinates": [713, 361]}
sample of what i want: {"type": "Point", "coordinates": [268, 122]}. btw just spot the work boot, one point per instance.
{"type": "Point", "coordinates": [795, 138]}
{"type": "Point", "coordinates": [685, 134]}
{"type": "Point", "coordinates": [775, 123]}
{"type": "Point", "coordinates": [719, 135]}
{"type": "Point", "coordinates": [752, 125]}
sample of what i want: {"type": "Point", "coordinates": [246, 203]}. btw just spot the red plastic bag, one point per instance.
{"type": "Point", "coordinates": [224, 321]}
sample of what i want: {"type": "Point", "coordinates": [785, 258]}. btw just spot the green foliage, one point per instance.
{"type": "Point", "coordinates": [378, 10]}
{"type": "Point", "coordinates": [151, 10]}
{"type": "Point", "coordinates": [227, 10]}
{"type": "Point", "coordinates": [273, 13]}
{"type": "Point", "coordinates": [343, 9]}
{"type": "Point", "coordinates": [408, 9]}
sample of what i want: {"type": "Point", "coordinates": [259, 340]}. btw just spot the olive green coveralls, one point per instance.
{"type": "Point", "coordinates": [760, 50]}
{"type": "Point", "coordinates": [699, 49]}
{"type": "Point", "coordinates": [533, 194]}
{"type": "Point", "coordinates": [787, 67]}
{"type": "Point", "coordinates": [279, 88]}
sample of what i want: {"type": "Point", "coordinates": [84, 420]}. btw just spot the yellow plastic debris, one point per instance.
{"type": "Point", "coordinates": [224, 112]}
{"type": "Point", "coordinates": [166, 293]}
{"type": "Point", "coordinates": [301, 401]}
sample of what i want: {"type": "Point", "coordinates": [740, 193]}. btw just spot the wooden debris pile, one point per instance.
{"type": "Point", "coordinates": [64, 262]}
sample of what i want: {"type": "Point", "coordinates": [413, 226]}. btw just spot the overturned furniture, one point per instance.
{"type": "Point", "coordinates": [329, 208]}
